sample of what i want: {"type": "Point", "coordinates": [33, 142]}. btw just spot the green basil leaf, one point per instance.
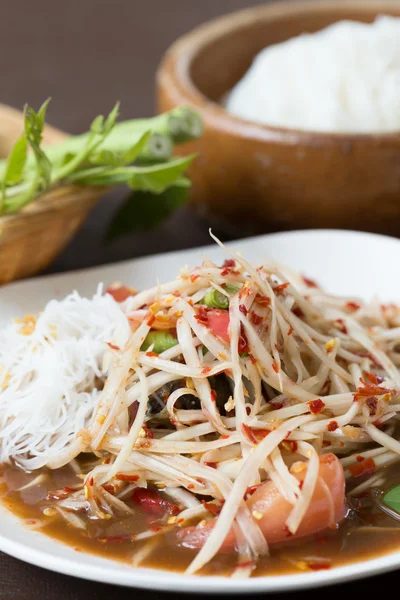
{"type": "Point", "coordinates": [16, 162]}
{"type": "Point", "coordinates": [113, 158]}
{"type": "Point", "coordinates": [41, 114]}
{"type": "Point", "coordinates": [131, 155]}
{"type": "Point", "coordinates": [158, 177]}
{"type": "Point", "coordinates": [97, 125]}
{"type": "Point", "coordinates": [33, 124]}
{"type": "Point", "coordinates": [111, 119]}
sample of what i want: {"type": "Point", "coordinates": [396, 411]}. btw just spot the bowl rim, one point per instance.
{"type": "Point", "coordinates": [52, 202]}
{"type": "Point", "coordinates": [174, 72]}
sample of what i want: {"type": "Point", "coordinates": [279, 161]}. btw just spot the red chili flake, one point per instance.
{"type": "Point", "coordinates": [290, 331]}
{"type": "Point", "coordinates": [298, 312]}
{"type": "Point", "coordinates": [153, 503]}
{"type": "Point", "coordinates": [243, 309]}
{"type": "Point", "coordinates": [277, 405]}
{"type": "Point", "coordinates": [194, 277]}
{"type": "Point", "coordinates": [156, 528]}
{"type": "Point", "coordinates": [252, 358]}
{"type": "Point", "coordinates": [213, 395]}
{"type": "Point", "coordinates": [113, 346]}
{"type": "Point", "coordinates": [255, 318]}
{"type": "Point", "coordinates": [224, 437]}
{"type": "Point", "coordinates": [67, 489]}
{"type": "Point", "coordinates": [151, 354]}
{"type": "Point", "coordinates": [339, 323]}
{"type": "Point", "coordinates": [261, 433]}
{"type": "Point", "coordinates": [228, 263]}
{"type": "Point", "coordinates": [123, 477]}
{"type": "Point", "coordinates": [190, 486]}
{"type": "Point", "coordinates": [249, 434]}
{"type": "Point", "coordinates": [121, 293]}
{"type": "Point", "coordinates": [372, 403]}
{"type": "Point", "coordinates": [213, 465]}
{"type": "Point", "coordinates": [301, 483]}
{"type": "Point", "coordinates": [201, 315]}
{"type": "Point", "coordinates": [359, 458]}
{"type": "Point", "coordinates": [352, 305]}
{"type": "Point", "coordinates": [316, 406]}
{"type": "Point", "coordinates": [275, 366]}
{"type": "Point", "coordinates": [248, 410]}
{"type": "Point", "coordinates": [309, 282]}
{"type": "Point", "coordinates": [290, 445]}
{"type": "Point", "coordinates": [370, 390]}
{"type": "Point", "coordinates": [365, 467]}
{"type": "Point", "coordinates": [332, 426]}
{"type": "Point", "coordinates": [262, 300]}
{"type": "Point", "coordinates": [205, 370]}
{"type": "Point", "coordinates": [151, 320]}
{"type": "Point", "coordinates": [243, 344]}
{"type": "Point", "coordinates": [91, 481]}
{"type": "Point", "coordinates": [254, 434]}
{"type": "Point", "coordinates": [325, 443]}
{"type": "Point", "coordinates": [319, 565]}
{"type": "Point", "coordinates": [370, 376]}
{"type": "Point", "coordinates": [213, 508]}
{"type": "Point", "coordinates": [109, 488]}
{"type": "Point", "coordinates": [149, 433]}
{"type": "Point", "coordinates": [282, 286]}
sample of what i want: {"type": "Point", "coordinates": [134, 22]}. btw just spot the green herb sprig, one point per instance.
{"type": "Point", "coordinates": [137, 153]}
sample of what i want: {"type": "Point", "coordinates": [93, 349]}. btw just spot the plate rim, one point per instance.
{"type": "Point", "coordinates": [229, 244]}
{"type": "Point", "coordinates": [158, 579]}
{"type": "Point", "coordinates": [106, 570]}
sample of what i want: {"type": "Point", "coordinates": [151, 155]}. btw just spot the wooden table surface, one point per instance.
{"type": "Point", "coordinates": [86, 54]}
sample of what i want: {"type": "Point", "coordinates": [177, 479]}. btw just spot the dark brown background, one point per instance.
{"type": "Point", "coordinates": [87, 54]}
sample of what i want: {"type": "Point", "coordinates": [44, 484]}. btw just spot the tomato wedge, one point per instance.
{"type": "Point", "coordinates": [153, 503]}
{"type": "Point", "coordinates": [121, 293]}
{"type": "Point", "coordinates": [218, 323]}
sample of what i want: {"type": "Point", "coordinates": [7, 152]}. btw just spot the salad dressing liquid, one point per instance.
{"type": "Point", "coordinates": [367, 532]}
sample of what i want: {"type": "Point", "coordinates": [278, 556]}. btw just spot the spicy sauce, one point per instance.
{"type": "Point", "coordinates": [366, 533]}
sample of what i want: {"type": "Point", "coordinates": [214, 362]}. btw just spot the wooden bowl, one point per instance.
{"type": "Point", "coordinates": [31, 239]}
{"type": "Point", "coordinates": [262, 178]}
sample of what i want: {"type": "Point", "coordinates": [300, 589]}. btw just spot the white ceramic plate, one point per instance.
{"type": "Point", "coordinates": [344, 262]}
